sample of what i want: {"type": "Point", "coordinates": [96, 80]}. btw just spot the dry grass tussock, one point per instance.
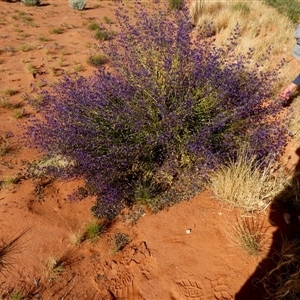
{"type": "Point", "coordinates": [243, 183]}
{"type": "Point", "coordinates": [248, 233]}
{"type": "Point", "coordinates": [270, 28]}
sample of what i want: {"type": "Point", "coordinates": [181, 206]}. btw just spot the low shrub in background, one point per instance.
{"type": "Point", "coordinates": [77, 4]}
{"type": "Point", "coordinates": [97, 60]}
{"type": "Point", "coordinates": [31, 2]}
{"type": "Point", "coordinates": [290, 8]}
{"type": "Point", "coordinates": [173, 106]}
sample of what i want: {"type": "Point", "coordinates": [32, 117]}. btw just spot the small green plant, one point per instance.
{"type": "Point", "coordinates": [107, 20]}
{"type": "Point", "coordinates": [16, 296]}
{"type": "Point", "coordinates": [4, 103]}
{"type": "Point", "coordinates": [23, 36]}
{"type": "Point", "coordinates": [53, 71]}
{"type": "Point", "coordinates": [10, 92]}
{"type": "Point", "coordinates": [9, 181]}
{"type": "Point", "coordinates": [19, 113]}
{"type": "Point", "coordinates": [57, 30]}
{"type": "Point", "coordinates": [145, 193]}
{"type": "Point", "coordinates": [26, 48]}
{"type": "Point", "coordinates": [77, 4]}
{"type": "Point", "coordinates": [93, 230]}
{"type": "Point", "coordinates": [30, 68]}
{"type": "Point", "coordinates": [26, 18]}
{"type": "Point", "coordinates": [21, 12]}
{"type": "Point", "coordinates": [43, 38]}
{"type": "Point", "coordinates": [97, 60]}
{"type": "Point", "coordinates": [31, 2]}
{"type": "Point", "coordinates": [176, 4]}
{"type": "Point", "coordinates": [61, 61]}
{"type": "Point", "coordinates": [120, 240]}
{"type": "Point", "coordinates": [57, 265]}
{"type": "Point", "coordinates": [78, 67]}
{"type": "Point", "coordinates": [249, 234]}
{"type": "Point", "coordinates": [93, 26]}
{"type": "Point", "coordinates": [104, 35]}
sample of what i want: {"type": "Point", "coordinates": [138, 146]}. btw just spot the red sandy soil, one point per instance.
{"type": "Point", "coordinates": [182, 253]}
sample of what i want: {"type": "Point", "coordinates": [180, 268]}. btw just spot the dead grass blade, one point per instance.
{"type": "Point", "coordinates": [283, 282]}
{"type": "Point", "coordinates": [8, 248]}
{"type": "Point", "coordinates": [249, 233]}
{"type": "Point", "coordinates": [57, 265]}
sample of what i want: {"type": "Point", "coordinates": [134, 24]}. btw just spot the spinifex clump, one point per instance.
{"type": "Point", "coordinates": [174, 103]}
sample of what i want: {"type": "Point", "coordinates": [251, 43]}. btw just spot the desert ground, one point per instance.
{"type": "Point", "coordinates": [181, 253]}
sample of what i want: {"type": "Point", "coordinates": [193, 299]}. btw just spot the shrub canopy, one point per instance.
{"type": "Point", "coordinates": [173, 103]}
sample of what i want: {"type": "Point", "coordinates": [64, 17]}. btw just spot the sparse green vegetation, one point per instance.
{"type": "Point", "coordinates": [58, 265]}
{"type": "Point", "coordinates": [93, 26]}
{"type": "Point", "coordinates": [26, 48]}
{"type": "Point", "coordinates": [30, 68]}
{"type": "Point", "coordinates": [93, 230]}
{"type": "Point", "coordinates": [78, 67]}
{"type": "Point", "coordinates": [10, 181]}
{"type": "Point", "coordinates": [97, 60]}
{"type": "Point", "coordinates": [104, 35]}
{"type": "Point", "coordinates": [290, 8]}
{"type": "Point", "coordinates": [19, 113]}
{"type": "Point", "coordinates": [43, 38]}
{"type": "Point", "coordinates": [176, 4]}
{"type": "Point", "coordinates": [107, 20]}
{"type": "Point", "coordinates": [57, 30]}
{"type": "Point", "coordinates": [120, 240]}
{"type": "Point", "coordinates": [10, 92]}
{"type": "Point", "coordinates": [5, 103]}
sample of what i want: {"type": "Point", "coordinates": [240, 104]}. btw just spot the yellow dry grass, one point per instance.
{"type": "Point", "coordinates": [248, 233]}
{"type": "Point", "coordinates": [270, 29]}
{"type": "Point", "coordinates": [243, 183]}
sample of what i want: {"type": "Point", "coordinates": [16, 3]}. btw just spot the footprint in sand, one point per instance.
{"type": "Point", "coordinates": [220, 289]}
{"type": "Point", "coordinates": [195, 290]}
{"type": "Point", "coordinates": [192, 290]}
{"type": "Point", "coordinates": [124, 288]}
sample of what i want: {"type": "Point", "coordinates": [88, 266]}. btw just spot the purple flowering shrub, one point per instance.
{"type": "Point", "coordinates": [174, 104]}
